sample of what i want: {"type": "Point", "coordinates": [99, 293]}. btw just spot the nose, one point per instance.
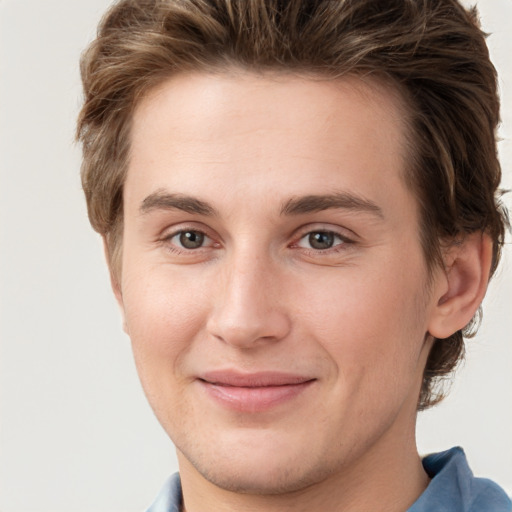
{"type": "Point", "coordinates": [247, 310]}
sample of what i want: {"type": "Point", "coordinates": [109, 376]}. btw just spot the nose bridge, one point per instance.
{"type": "Point", "coordinates": [247, 308]}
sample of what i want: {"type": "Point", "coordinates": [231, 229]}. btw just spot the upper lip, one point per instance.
{"type": "Point", "coordinates": [253, 380]}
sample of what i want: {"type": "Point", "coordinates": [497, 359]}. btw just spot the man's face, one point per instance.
{"type": "Point", "coordinates": [273, 283]}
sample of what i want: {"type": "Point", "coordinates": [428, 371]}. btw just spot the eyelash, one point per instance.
{"type": "Point", "coordinates": [173, 247]}
{"type": "Point", "coordinates": [342, 245]}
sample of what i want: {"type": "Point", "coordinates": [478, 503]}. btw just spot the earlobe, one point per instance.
{"type": "Point", "coordinates": [466, 275]}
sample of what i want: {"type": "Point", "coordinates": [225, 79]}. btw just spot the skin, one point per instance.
{"type": "Point", "coordinates": [257, 296]}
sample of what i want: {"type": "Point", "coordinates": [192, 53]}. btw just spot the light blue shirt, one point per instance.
{"type": "Point", "coordinates": [453, 488]}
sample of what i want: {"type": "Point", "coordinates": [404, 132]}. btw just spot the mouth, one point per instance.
{"type": "Point", "coordinates": [254, 392]}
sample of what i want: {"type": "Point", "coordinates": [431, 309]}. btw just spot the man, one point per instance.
{"type": "Point", "coordinates": [298, 202]}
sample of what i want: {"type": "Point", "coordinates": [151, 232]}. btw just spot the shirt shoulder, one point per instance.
{"type": "Point", "coordinates": [454, 488]}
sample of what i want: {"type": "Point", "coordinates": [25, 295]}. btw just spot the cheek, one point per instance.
{"type": "Point", "coordinates": [163, 317]}
{"type": "Point", "coordinates": [368, 320]}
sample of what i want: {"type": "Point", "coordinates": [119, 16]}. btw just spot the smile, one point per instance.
{"type": "Point", "coordinates": [255, 392]}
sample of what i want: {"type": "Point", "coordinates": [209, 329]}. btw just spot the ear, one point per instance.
{"type": "Point", "coordinates": [467, 267]}
{"type": "Point", "coordinates": [115, 284]}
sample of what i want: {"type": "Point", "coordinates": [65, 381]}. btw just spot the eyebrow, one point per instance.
{"type": "Point", "coordinates": [341, 200]}
{"type": "Point", "coordinates": [161, 200]}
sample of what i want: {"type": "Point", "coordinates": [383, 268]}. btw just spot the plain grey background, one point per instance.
{"type": "Point", "coordinates": [76, 433]}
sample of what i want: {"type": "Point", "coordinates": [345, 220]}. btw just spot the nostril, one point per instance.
{"type": "Point", "coordinates": [249, 331]}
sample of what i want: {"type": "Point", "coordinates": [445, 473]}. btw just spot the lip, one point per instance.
{"type": "Point", "coordinates": [253, 392]}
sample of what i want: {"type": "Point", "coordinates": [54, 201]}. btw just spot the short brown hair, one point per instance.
{"type": "Point", "coordinates": [432, 50]}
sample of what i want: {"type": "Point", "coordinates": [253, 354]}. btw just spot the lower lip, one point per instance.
{"type": "Point", "coordinates": [254, 399]}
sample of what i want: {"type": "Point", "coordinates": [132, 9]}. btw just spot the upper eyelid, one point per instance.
{"type": "Point", "coordinates": [167, 235]}
{"type": "Point", "coordinates": [344, 241]}
{"type": "Point", "coordinates": [335, 233]}
{"type": "Point", "coordinates": [176, 247]}
{"type": "Point", "coordinates": [171, 231]}
{"type": "Point", "coordinates": [341, 231]}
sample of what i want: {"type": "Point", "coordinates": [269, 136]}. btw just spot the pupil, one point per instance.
{"type": "Point", "coordinates": [191, 239]}
{"type": "Point", "coordinates": [321, 240]}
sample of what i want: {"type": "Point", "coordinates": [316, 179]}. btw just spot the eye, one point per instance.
{"type": "Point", "coordinates": [189, 239]}
{"type": "Point", "coordinates": [321, 240]}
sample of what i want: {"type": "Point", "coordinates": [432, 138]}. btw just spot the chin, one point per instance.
{"type": "Point", "coordinates": [270, 478]}
{"type": "Point", "coordinates": [265, 465]}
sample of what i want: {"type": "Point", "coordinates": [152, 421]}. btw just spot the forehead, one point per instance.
{"type": "Point", "coordinates": [260, 101]}
{"type": "Point", "coordinates": [210, 130]}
